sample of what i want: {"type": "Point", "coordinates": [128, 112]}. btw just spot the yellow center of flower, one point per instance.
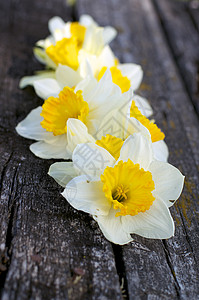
{"type": "Point", "coordinates": [128, 187]}
{"type": "Point", "coordinates": [112, 144]}
{"type": "Point", "coordinates": [122, 81]}
{"type": "Point", "coordinates": [56, 111]}
{"type": "Point", "coordinates": [156, 133]}
{"type": "Point", "coordinates": [78, 31]}
{"type": "Point", "coordinates": [116, 60]}
{"type": "Point", "coordinates": [66, 51]}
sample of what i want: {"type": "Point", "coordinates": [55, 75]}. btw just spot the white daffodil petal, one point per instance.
{"type": "Point", "coordinates": [161, 151]}
{"type": "Point", "coordinates": [105, 98]}
{"type": "Point", "coordinates": [87, 64]}
{"type": "Point", "coordinates": [41, 43]}
{"type": "Point", "coordinates": [168, 181]}
{"type": "Point", "coordinates": [46, 87]}
{"type": "Point", "coordinates": [138, 149]}
{"type": "Point", "coordinates": [84, 56]}
{"type": "Point", "coordinates": [77, 133]}
{"type": "Point", "coordinates": [91, 159]}
{"type": "Point", "coordinates": [29, 80]}
{"type": "Point", "coordinates": [109, 34]}
{"type": "Point", "coordinates": [96, 93]}
{"type": "Point", "coordinates": [67, 76]}
{"type": "Point", "coordinates": [103, 89]}
{"type": "Point", "coordinates": [112, 228]}
{"type": "Point", "coordinates": [106, 58]}
{"type": "Point", "coordinates": [30, 127]}
{"type": "Point", "coordinates": [62, 172]}
{"type": "Point", "coordinates": [43, 58]}
{"type": "Point", "coordinates": [88, 68]}
{"type": "Point", "coordinates": [113, 124]}
{"type": "Point", "coordinates": [125, 104]}
{"type": "Point", "coordinates": [87, 21]}
{"type": "Point", "coordinates": [48, 42]}
{"type": "Point", "coordinates": [87, 196]}
{"type": "Point", "coordinates": [94, 41]}
{"type": "Point", "coordinates": [132, 126]}
{"type": "Point", "coordinates": [87, 85]}
{"type": "Point", "coordinates": [155, 223]}
{"type": "Point", "coordinates": [143, 105]}
{"type": "Point", "coordinates": [55, 148]}
{"type": "Point", "coordinates": [133, 72]}
{"type": "Point", "coordinates": [55, 23]}
{"type": "Point", "coordinates": [115, 121]}
{"type": "Point", "coordinates": [58, 35]}
{"type": "Point", "coordinates": [102, 109]}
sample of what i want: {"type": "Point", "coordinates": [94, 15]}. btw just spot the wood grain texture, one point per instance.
{"type": "Point", "coordinates": [193, 7]}
{"type": "Point", "coordinates": [180, 27]}
{"type": "Point", "coordinates": [50, 251]}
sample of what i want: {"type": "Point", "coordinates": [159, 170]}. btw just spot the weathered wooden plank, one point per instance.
{"type": "Point", "coordinates": [47, 249]}
{"type": "Point", "coordinates": [31, 203]}
{"type": "Point", "coordinates": [183, 38]}
{"type": "Point", "coordinates": [193, 7]}
{"type": "Point", "coordinates": [160, 269]}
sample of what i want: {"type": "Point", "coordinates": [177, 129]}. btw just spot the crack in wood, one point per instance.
{"type": "Point", "coordinates": [120, 267]}
{"type": "Point", "coordinates": [168, 259]}
{"type": "Point", "coordinates": [197, 78]}
{"type": "Point", "coordinates": [190, 12]}
{"type": "Point", "coordinates": [6, 255]}
{"type": "Point", "coordinates": [74, 13]}
{"type": "Point", "coordinates": [4, 169]}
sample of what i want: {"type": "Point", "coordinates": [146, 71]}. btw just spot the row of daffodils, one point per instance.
{"type": "Point", "coordinates": [116, 168]}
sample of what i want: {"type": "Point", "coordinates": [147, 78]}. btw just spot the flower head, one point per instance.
{"type": "Point", "coordinates": [68, 39]}
{"type": "Point", "coordinates": [70, 116]}
{"type": "Point", "coordinates": [127, 117]}
{"type": "Point", "coordinates": [73, 66]}
{"type": "Point", "coordinates": [129, 195]}
{"type": "Point", "coordinates": [130, 118]}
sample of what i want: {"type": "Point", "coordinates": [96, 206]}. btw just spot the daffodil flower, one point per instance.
{"type": "Point", "coordinates": [130, 195]}
{"type": "Point", "coordinates": [65, 76]}
{"type": "Point", "coordinates": [83, 49]}
{"type": "Point", "coordinates": [115, 127]}
{"type": "Point", "coordinates": [89, 64]}
{"type": "Point", "coordinates": [128, 120]}
{"type": "Point", "coordinates": [54, 124]}
{"type": "Point", "coordinates": [67, 39]}
{"type": "Point", "coordinates": [121, 122]}
{"type": "Point", "coordinates": [124, 75]}
{"type": "Point", "coordinates": [71, 44]}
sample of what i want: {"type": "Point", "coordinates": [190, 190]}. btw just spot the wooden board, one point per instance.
{"type": "Point", "coordinates": [178, 20]}
{"type": "Point", "coordinates": [50, 251]}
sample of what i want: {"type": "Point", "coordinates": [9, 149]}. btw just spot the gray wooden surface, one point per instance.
{"type": "Point", "coordinates": [47, 249]}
